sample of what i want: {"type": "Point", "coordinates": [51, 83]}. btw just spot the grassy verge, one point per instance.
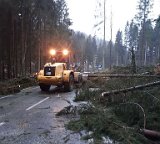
{"type": "Point", "coordinates": [15, 85]}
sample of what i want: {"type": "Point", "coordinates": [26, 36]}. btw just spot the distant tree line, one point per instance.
{"type": "Point", "coordinates": [141, 36]}
{"type": "Point", "coordinates": [28, 28]}
{"type": "Point", "coordinates": [140, 41]}
{"type": "Point", "coordinates": [84, 49]}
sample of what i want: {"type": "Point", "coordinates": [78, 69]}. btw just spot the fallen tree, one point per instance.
{"type": "Point", "coordinates": [126, 117]}
{"type": "Point", "coordinates": [121, 75]}
{"type": "Point", "coordinates": [125, 90]}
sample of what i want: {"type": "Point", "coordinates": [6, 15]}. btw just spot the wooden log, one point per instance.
{"type": "Point", "coordinates": [121, 75]}
{"type": "Point", "coordinates": [125, 90]}
{"type": "Point", "coordinates": [151, 134]}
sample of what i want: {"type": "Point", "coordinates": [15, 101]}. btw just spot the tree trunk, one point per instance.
{"type": "Point", "coordinates": [125, 90]}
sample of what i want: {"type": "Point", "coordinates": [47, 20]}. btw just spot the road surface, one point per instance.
{"type": "Point", "coordinates": [29, 117]}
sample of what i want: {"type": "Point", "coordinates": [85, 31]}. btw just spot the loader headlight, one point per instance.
{"type": "Point", "coordinates": [53, 52]}
{"type": "Point", "coordinates": [65, 52]}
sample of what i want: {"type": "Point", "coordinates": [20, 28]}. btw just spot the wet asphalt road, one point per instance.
{"type": "Point", "coordinates": [29, 117]}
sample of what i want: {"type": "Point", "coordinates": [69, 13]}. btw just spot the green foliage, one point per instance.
{"type": "Point", "coordinates": [120, 116]}
{"type": "Point", "coordinates": [86, 93]}
{"type": "Point", "coordinates": [83, 95]}
{"type": "Point", "coordinates": [76, 125]}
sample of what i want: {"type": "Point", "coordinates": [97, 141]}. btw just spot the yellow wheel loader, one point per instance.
{"type": "Point", "coordinates": [58, 74]}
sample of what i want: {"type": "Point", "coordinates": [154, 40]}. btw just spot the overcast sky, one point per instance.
{"type": "Point", "coordinates": [82, 13]}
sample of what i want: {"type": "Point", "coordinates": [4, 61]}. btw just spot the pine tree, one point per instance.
{"type": "Point", "coordinates": [144, 8]}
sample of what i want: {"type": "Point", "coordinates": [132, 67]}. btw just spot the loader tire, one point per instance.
{"type": "Point", "coordinates": [68, 86]}
{"type": "Point", "coordinates": [44, 87]}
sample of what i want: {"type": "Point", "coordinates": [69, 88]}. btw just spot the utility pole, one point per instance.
{"type": "Point", "coordinates": [110, 55]}
{"type": "Point", "coordinates": [104, 39]}
{"type": "Point", "coordinates": [39, 38]}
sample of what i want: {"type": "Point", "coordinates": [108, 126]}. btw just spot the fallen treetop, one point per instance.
{"type": "Point", "coordinates": [104, 94]}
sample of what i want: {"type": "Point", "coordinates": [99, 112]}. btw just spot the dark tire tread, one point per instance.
{"type": "Point", "coordinates": [44, 87]}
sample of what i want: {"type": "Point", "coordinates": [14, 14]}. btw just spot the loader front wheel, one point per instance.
{"type": "Point", "coordinates": [44, 87]}
{"type": "Point", "coordinates": [68, 86]}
